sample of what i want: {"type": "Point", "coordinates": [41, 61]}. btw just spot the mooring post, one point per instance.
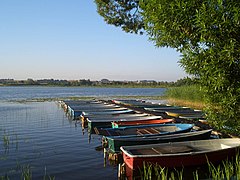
{"type": "Point", "coordinates": [105, 156]}
{"type": "Point", "coordinates": [119, 171]}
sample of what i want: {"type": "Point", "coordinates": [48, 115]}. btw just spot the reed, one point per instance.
{"type": "Point", "coordinates": [147, 172]}
{"type": "Point", "coordinates": [237, 165]}
{"type": "Point", "coordinates": [6, 140]}
{"type": "Point", "coordinates": [161, 172]}
{"type": "Point", "coordinates": [227, 170]}
{"type": "Point", "coordinates": [26, 172]}
{"type": "Point", "coordinates": [191, 96]}
{"type": "Point", "coordinates": [192, 92]}
{"type": "Point", "coordinates": [4, 177]}
{"type": "Point", "coordinates": [46, 176]}
{"type": "Point", "coordinates": [16, 141]}
{"type": "Point", "coordinates": [215, 173]}
{"type": "Point", "coordinates": [195, 175]}
{"type": "Point", "coordinates": [151, 171]}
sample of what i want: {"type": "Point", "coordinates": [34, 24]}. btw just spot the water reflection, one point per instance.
{"type": "Point", "coordinates": [39, 136]}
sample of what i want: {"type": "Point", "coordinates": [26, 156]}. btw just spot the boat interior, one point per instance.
{"type": "Point", "coordinates": [164, 150]}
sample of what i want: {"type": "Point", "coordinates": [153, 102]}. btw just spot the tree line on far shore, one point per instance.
{"type": "Point", "coordinates": [101, 83]}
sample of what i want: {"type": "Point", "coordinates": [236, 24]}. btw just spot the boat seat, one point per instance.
{"type": "Point", "coordinates": [105, 132]}
{"type": "Point", "coordinates": [162, 150]}
{"type": "Point", "coordinates": [96, 130]}
{"type": "Point", "coordinates": [147, 131]}
{"type": "Point", "coordinates": [168, 129]}
{"type": "Point", "coordinates": [143, 152]}
{"type": "Point", "coordinates": [172, 149]}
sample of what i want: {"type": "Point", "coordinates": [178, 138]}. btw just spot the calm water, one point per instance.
{"type": "Point", "coordinates": [22, 93]}
{"type": "Point", "coordinates": [38, 135]}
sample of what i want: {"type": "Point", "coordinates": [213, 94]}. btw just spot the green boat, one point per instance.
{"type": "Point", "coordinates": [113, 143]}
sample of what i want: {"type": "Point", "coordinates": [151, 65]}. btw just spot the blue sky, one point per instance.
{"type": "Point", "coordinates": [63, 39]}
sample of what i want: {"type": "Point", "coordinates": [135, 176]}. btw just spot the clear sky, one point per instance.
{"type": "Point", "coordinates": [67, 39]}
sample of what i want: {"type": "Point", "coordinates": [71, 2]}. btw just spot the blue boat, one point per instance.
{"type": "Point", "coordinates": [144, 130]}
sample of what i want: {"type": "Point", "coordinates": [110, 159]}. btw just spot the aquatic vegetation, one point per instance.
{"type": "Point", "coordinates": [3, 157]}
{"type": "Point", "coordinates": [192, 93]}
{"type": "Point", "coordinates": [16, 141]}
{"type": "Point", "coordinates": [195, 175]}
{"type": "Point", "coordinates": [48, 177]}
{"type": "Point", "coordinates": [6, 140]}
{"type": "Point", "coordinates": [190, 96]}
{"type": "Point", "coordinates": [4, 177]}
{"type": "Point", "coordinates": [26, 172]}
{"type": "Point", "coordinates": [151, 171]}
{"type": "Point", "coordinates": [229, 170]}
{"type": "Point", "coordinates": [147, 171]}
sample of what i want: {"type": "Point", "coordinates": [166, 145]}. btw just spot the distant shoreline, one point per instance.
{"type": "Point", "coordinates": [88, 83]}
{"type": "Point", "coordinates": [83, 86]}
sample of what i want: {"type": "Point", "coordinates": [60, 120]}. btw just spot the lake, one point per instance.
{"type": "Point", "coordinates": [38, 136]}
{"type": "Point", "coordinates": [35, 92]}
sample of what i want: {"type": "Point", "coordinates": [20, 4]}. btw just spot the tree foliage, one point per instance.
{"type": "Point", "coordinates": [122, 13]}
{"type": "Point", "coordinates": [207, 33]}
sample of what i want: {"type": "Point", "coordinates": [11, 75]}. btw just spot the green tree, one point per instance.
{"type": "Point", "coordinates": [122, 13]}
{"type": "Point", "coordinates": [206, 33]}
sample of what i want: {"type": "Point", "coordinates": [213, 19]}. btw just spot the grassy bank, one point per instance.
{"type": "Point", "coordinates": [190, 96]}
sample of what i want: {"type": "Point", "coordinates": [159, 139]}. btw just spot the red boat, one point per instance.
{"type": "Point", "coordinates": [180, 154]}
{"type": "Point", "coordinates": [140, 122]}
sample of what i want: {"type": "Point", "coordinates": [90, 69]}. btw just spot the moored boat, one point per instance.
{"type": "Point", "coordinates": [113, 143]}
{"type": "Point", "coordinates": [181, 154]}
{"type": "Point", "coordinates": [192, 117]}
{"type": "Point", "coordinates": [105, 112]}
{"type": "Point", "coordinates": [106, 121]}
{"type": "Point", "coordinates": [144, 130]}
{"type": "Point", "coordinates": [116, 124]}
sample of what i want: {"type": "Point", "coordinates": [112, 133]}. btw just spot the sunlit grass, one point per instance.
{"type": "Point", "coordinates": [186, 103]}
{"type": "Point", "coordinates": [228, 170]}
{"type": "Point", "coordinates": [192, 93]}
{"type": "Point", "coordinates": [190, 96]}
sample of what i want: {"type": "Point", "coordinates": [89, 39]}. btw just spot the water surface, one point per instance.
{"type": "Point", "coordinates": [35, 92]}
{"type": "Point", "coordinates": [42, 137]}
{"type": "Point", "coordinates": [39, 136]}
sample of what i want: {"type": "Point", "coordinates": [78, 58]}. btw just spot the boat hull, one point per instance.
{"type": "Point", "coordinates": [114, 143]}
{"type": "Point", "coordinates": [107, 120]}
{"type": "Point", "coordinates": [144, 130]}
{"type": "Point", "coordinates": [140, 122]}
{"type": "Point", "coordinates": [200, 155]}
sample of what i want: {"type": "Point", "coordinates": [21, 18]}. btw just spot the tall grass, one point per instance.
{"type": "Point", "coordinates": [151, 171]}
{"type": "Point", "coordinates": [191, 96]}
{"type": "Point", "coordinates": [192, 93]}
{"type": "Point", "coordinates": [26, 173]}
{"type": "Point", "coordinates": [227, 170]}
